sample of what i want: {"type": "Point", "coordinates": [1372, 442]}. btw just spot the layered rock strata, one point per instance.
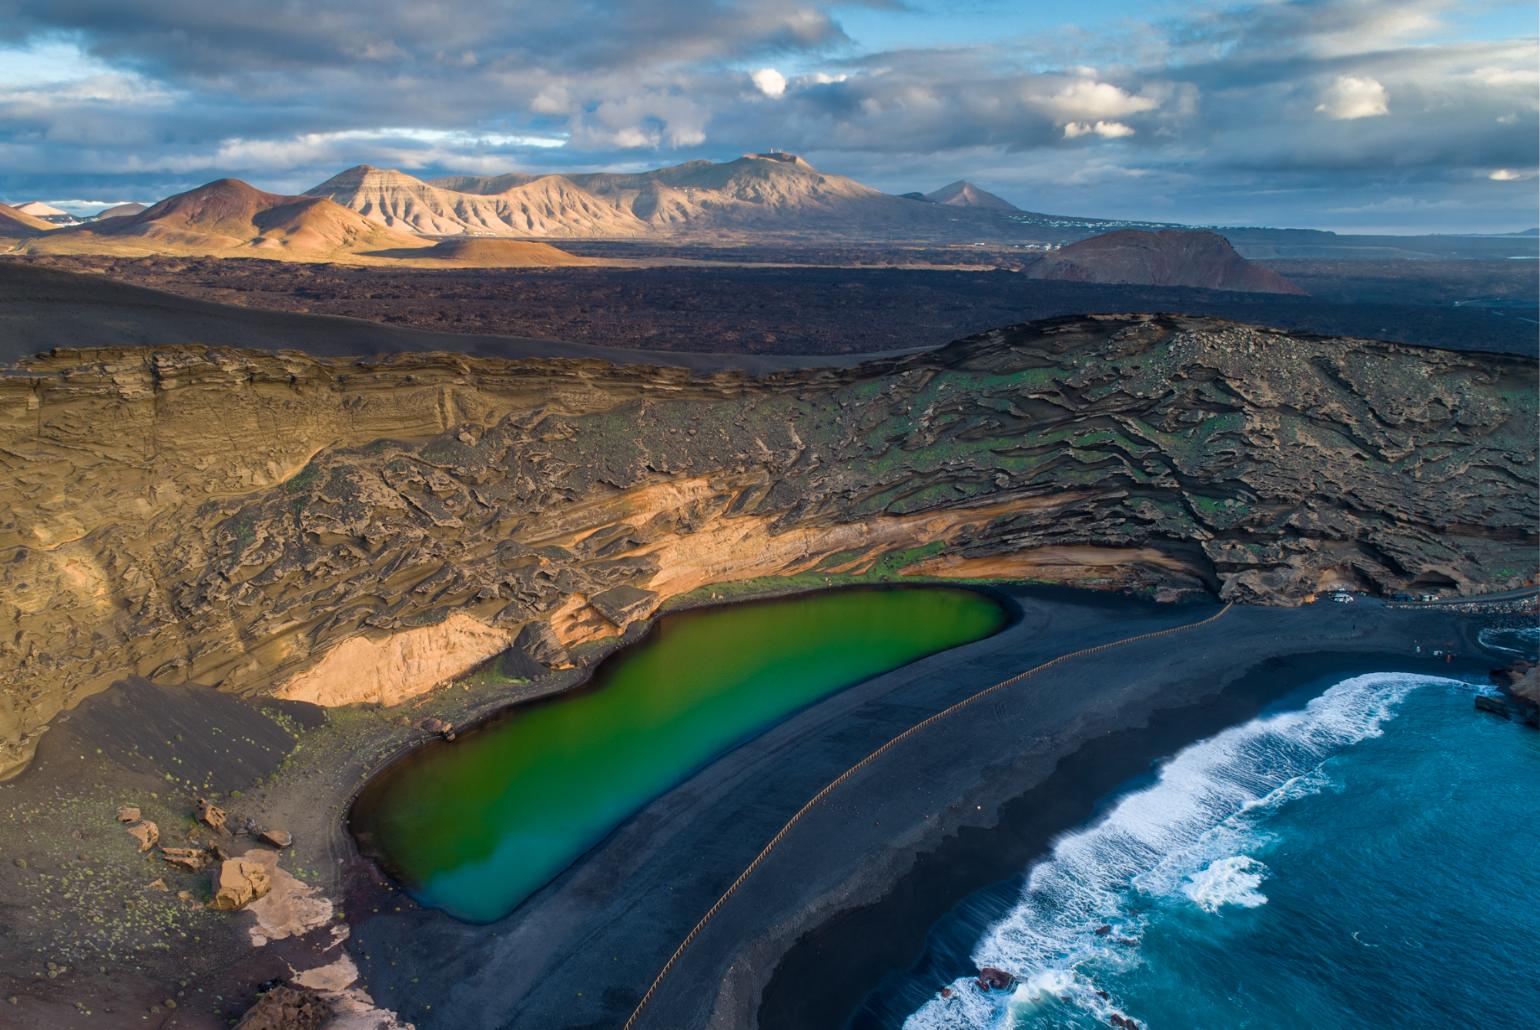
{"type": "Point", "coordinates": [361, 531]}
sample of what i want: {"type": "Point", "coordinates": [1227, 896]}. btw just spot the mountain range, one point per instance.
{"type": "Point", "coordinates": [761, 193]}
{"type": "Point", "coordinates": [368, 215]}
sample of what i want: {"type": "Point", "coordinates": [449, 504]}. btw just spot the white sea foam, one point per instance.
{"type": "Point", "coordinates": [1227, 881]}
{"type": "Point", "coordinates": [1190, 838]}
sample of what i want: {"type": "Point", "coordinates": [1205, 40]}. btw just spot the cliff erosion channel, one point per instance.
{"type": "Point", "coordinates": [342, 532]}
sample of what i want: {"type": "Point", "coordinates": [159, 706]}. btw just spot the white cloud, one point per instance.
{"type": "Point", "coordinates": [769, 82]}
{"type": "Point", "coordinates": [1352, 96]}
{"type": "Point", "coordinates": [1506, 175]}
{"type": "Point", "coordinates": [1087, 99]}
{"type": "Point", "coordinates": [1104, 129]}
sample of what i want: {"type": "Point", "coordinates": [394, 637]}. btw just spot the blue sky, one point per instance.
{"type": "Point", "coordinates": [1418, 115]}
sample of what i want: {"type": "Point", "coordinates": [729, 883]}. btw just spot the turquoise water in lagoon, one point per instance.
{"type": "Point", "coordinates": [1370, 859]}
{"type": "Point", "coordinates": [476, 826]}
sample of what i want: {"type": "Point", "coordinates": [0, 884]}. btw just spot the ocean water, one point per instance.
{"type": "Point", "coordinates": [1369, 859]}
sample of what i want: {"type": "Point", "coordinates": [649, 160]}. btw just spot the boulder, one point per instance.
{"type": "Point", "coordinates": [146, 833]}
{"type": "Point", "coordinates": [992, 979]}
{"type": "Point", "coordinates": [287, 1008]}
{"type": "Point", "coordinates": [191, 859]}
{"type": "Point", "coordinates": [441, 727]}
{"type": "Point", "coordinates": [277, 838]}
{"type": "Point", "coordinates": [128, 814]}
{"type": "Point", "coordinates": [1492, 705]}
{"type": "Point", "coordinates": [210, 815]}
{"type": "Point", "coordinates": [624, 604]}
{"type": "Point", "coordinates": [237, 883]}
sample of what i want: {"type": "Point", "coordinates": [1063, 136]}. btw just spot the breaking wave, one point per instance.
{"type": "Point", "coordinates": [1189, 839]}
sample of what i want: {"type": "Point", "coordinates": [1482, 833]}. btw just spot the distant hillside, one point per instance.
{"type": "Point", "coordinates": [16, 224]}
{"type": "Point", "coordinates": [1168, 257]}
{"type": "Point", "coordinates": [47, 212]}
{"type": "Point", "coordinates": [963, 193]}
{"type": "Point", "coordinates": [121, 211]}
{"type": "Point", "coordinates": [229, 218]}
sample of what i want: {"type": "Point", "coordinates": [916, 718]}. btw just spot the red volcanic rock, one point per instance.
{"type": "Point", "coordinates": [1169, 257]}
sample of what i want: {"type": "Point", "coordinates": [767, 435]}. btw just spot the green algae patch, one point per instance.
{"type": "Point", "coordinates": [476, 826]}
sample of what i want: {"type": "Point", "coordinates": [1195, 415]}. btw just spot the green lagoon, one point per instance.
{"type": "Point", "coordinates": [476, 826]}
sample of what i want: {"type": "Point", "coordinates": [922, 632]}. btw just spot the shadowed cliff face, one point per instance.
{"type": "Point", "coordinates": [362, 531]}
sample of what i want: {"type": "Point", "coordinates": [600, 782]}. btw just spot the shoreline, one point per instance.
{"type": "Point", "coordinates": [832, 974]}
{"type": "Point", "coordinates": [581, 950]}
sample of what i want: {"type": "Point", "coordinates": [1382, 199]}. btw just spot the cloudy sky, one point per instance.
{"type": "Point", "coordinates": [1394, 115]}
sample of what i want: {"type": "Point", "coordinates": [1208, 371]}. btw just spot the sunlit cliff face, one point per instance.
{"type": "Point", "coordinates": [344, 531]}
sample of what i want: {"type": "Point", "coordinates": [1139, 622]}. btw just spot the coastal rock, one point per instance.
{"type": "Point", "coordinates": [238, 882]}
{"type": "Point", "coordinates": [992, 979]}
{"type": "Point", "coordinates": [277, 838]}
{"type": "Point", "coordinates": [146, 833]}
{"type": "Point", "coordinates": [1521, 685]}
{"type": "Point", "coordinates": [1493, 706]}
{"type": "Point", "coordinates": [287, 1008]}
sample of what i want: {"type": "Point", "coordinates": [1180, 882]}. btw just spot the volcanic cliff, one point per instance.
{"type": "Point", "coordinates": [341, 531]}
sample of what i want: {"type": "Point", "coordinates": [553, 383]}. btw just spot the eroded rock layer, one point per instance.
{"type": "Point", "coordinates": [362, 531]}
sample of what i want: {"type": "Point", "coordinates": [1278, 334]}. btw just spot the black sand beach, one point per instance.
{"type": "Point", "coordinates": [863, 875]}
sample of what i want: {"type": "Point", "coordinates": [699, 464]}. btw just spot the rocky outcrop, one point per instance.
{"type": "Point", "coordinates": [287, 1008]}
{"type": "Point", "coordinates": [211, 815]}
{"type": "Point", "coordinates": [190, 859]}
{"type": "Point", "coordinates": [277, 838]}
{"type": "Point", "coordinates": [238, 882]}
{"type": "Point", "coordinates": [1521, 686]}
{"type": "Point", "coordinates": [343, 531]}
{"type": "Point", "coordinates": [146, 833]}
